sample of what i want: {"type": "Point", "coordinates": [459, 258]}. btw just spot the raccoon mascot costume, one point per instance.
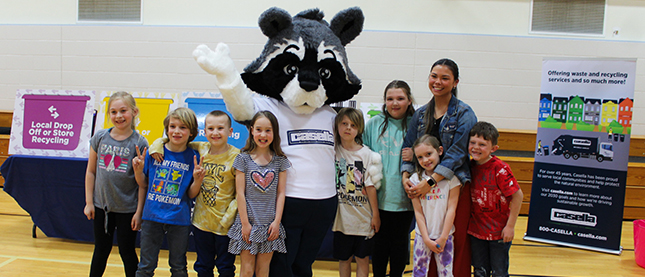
{"type": "Point", "coordinates": [302, 69]}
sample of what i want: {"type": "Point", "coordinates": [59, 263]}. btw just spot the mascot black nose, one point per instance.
{"type": "Point", "coordinates": [308, 85]}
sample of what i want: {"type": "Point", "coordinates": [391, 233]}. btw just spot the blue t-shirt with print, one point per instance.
{"type": "Point", "coordinates": [167, 201]}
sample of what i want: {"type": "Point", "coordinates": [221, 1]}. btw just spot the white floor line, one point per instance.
{"type": "Point", "coordinates": [11, 259]}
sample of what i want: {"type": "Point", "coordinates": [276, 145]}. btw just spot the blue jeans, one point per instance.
{"type": "Point", "coordinates": [212, 250]}
{"type": "Point", "coordinates": [151, 239]}
{"type": "Point", "coordinates": [490, 257]}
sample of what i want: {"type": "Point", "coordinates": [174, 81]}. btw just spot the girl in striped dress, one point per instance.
{"type": "Point", "coordinates": [260, 181]}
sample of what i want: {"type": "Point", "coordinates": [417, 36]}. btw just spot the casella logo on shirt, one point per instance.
{"type": "Point", "coordinates": [310, 136]}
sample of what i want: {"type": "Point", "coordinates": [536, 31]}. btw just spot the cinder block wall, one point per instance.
{"type": "Point", "coordinates": [43, 47]}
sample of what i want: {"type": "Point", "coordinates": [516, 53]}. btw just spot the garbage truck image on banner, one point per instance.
{"type": "Point", "coordinates": [575, 147]}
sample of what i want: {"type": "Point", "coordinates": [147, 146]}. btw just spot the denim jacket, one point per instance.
{"type": "Point", "coordinates": [454, 132]}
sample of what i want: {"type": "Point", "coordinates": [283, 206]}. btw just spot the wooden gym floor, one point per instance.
{"type": "Point", "coordinates": [22, 255]}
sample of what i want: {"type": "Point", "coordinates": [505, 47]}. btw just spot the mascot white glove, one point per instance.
{"type": "Point", "coordinates": [235, 93]}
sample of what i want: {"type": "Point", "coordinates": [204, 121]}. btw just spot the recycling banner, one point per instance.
{"type": "Point", "coordinates": [52, 123]}
{"type": "Point", "coordinates": [581, 153]}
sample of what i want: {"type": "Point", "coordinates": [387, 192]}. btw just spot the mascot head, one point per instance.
{"type": "Point", "coordinates": [304, 63]}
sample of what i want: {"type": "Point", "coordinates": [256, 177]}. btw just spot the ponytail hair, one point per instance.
{"type": "Point", "coordinates": [128, 100]}
{"type": "Point", "coordinates": [429, 116]}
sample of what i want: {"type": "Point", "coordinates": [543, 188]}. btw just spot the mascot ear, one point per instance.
{"type": "Point", "coordinates": [348, 24]}
{"type": "Point", "coordinates": [274, 20]}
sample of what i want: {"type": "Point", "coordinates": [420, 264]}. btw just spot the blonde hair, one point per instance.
{"type": "Point", "coordinates": [128, 100]}
{"type": "Point", "coordinates": [356, 117]}
{"type": "Point", "coordinates": [187, 117]}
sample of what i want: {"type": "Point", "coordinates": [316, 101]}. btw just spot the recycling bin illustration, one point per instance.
{"type": "Point", "coordinates": [53, 121]}
{"type": "Point", "coordinates": [149, 122]}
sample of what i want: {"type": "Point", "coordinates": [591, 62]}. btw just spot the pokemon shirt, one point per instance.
{"type": "Point", "coordinates": [310, 150]}
{"type": "Point", "coordinates": [491, 189]}
{"type": "Point", "coordinates": [168, 181]}
{"type": "Point", "coordinates": [115, 188]}
{"type": "Point", "coordinates": [435, 205]}
{"type": "Point", "coordinates": [354, 213]}
{"type": "Point", "coordinates": [216, 196]}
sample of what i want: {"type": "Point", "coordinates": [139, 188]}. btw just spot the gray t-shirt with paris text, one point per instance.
{"type": "Point", "coordinates": [115, 188]}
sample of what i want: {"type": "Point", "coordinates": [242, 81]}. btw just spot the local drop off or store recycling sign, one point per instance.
{"type": "Point", "coordinates": [52, 123]}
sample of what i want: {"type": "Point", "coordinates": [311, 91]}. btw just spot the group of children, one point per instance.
{"type": "Point", "coordinates": [240, 194]}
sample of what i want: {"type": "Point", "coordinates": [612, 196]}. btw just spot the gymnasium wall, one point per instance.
{"type": "Point", "coordinates": [42, 46]}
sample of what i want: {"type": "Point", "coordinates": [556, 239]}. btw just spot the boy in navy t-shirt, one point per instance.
{"type": "Point", "coordinates": [169, 185]}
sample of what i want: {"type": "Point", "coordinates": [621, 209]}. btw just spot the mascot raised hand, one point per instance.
{"type": "Point", "coordinates": [302, 69]}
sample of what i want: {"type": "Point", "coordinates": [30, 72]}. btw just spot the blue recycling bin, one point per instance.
{"type": "Point", "coordinates": [203, 106]}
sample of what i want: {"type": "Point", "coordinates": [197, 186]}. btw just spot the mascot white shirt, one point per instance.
{"type": "Point", "coordinates": [308, 142]}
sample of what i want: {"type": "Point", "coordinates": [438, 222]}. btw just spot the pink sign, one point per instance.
{"type": "Point", "coordinates": [53, 121]}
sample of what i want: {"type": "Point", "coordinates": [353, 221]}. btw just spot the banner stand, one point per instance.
{"type": "Point", "coordinates": [582, 153]}
{"type": "Point", "coordinates": [585, 247]}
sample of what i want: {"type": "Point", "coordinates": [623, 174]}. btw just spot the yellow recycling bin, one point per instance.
{"type": "Point", "coordinates": [149, 123]}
